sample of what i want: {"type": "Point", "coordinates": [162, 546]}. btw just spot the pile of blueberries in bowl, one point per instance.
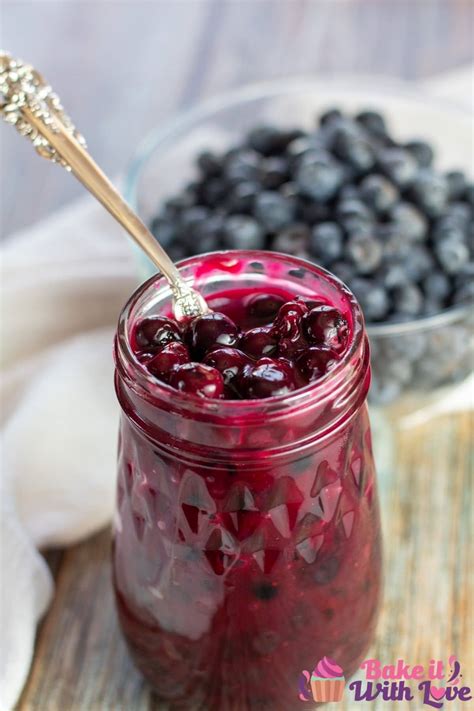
{"type": "Point", "coordinates": [376, 212]}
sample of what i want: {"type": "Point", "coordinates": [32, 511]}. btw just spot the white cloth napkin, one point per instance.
{"type": "Point", "coordinates": [64, 283]}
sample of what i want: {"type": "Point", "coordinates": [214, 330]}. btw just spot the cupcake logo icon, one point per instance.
{"type": "Point", "coordinates": [325, 683]}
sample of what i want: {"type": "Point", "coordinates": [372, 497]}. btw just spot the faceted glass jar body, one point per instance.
{"type": "Point", "coordinates": [247, 535]}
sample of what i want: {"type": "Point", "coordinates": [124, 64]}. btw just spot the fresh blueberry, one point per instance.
{"type": "Point", "coordinates": [241, 197]}
{"type": "Point", "coordinates": [430, 192]}
{"type": "Point", "coordinates": [343, 270]}
{"type": "Point", "coordinates": [456, 184]}
{"type": "Point", "coordinates": [349, 192]}
{"type": "Point", "coordinates": [269, 140]}
{"type": "Point", "coordinates": [242, 164]}
{"type": "Point", "coordinates": [396, 243]}
{"type": "Point", "coordinates": [437, 286]}
{"type": "Point", "coordinates": [409, 221]}
{"type": "Point", "coordinates": [319, 177]}
{"type": "Point", "coordinates": [448, 228]}
{"type": "Point", "coordinates": [273, 210]}
{"type": "Point", "coordinates": [212, 192]}
{"type": "Point", "coordinates": [469, 195]}
{"type": "Point", "coordinates": [293, 240]}
{"type": "Point", "coordinates": [274, 172]}
{"type": "Point", "coordinates": [399, 165]}
{"type": "Point", "coordinates": [378, 193]}
{"type": "Point", "coordinates": [419, 263]}
{"type": "Point", "coordinates": [243, 232]}
{"type": "Point", "coordinates": [355, 150]}
{"type": "Point", "coordinates": [372, 121]}
{"type": "Point", "coordinates": [329, 116]}
{"type": "Point", "coordinates": [326, 241]}
{"type": "Point", "coordinates": [407, 300]}
{"type": "Point", "coordinates": [373, 299]}
{"type": "Point", "coordinates": [393, 274]}
{"type": "Point", "coordinates": [353, 214]}
{"type": "Point", "coordinates": [422, 152]}
{"type": "Point", "coordinates": [459, 213]}
{"type": "Point", "coordinates": [365, 252]}
{"type": "Point", "coordinates": [209, 164]}
{"type": "Point", "coordinates": [452, 254]}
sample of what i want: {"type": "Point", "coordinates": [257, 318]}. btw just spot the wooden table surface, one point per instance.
{"type": "Point", "coordinates": [167, 55]}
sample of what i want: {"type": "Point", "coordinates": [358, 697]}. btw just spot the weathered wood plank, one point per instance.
{"type": "Point", "coordinates": [81, 663]}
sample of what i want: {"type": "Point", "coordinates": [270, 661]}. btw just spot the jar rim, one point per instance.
{"type": "Point", "coordinates": [146, 385]}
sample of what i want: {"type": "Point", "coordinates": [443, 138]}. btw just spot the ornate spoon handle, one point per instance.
{"type": "Point", "coordinates": [27, 102]}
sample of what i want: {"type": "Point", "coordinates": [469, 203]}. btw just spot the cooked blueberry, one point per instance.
{"type": "Point", "coordinates": [326, 241]}
{"type": "Point", "coordinates": [273, 210]}
{"type": "Point", "coordinates": [378, 193]}
{"type": "Point", "coordinates": [230, 362]}
{"type": "Point", "coordinates": [452, 254]}
{"type": "Point", "coordinates": [398, 165]}
{"type": "Point", "coordinates": [373, 299]}
{"type": "Point", "coordinates": [258, 342]}
{"type": "Point", "coordinates": [211, 330]}
{"type": "Point", "coordinates": [315, 362]}
{"type": "Point", "coordinates": [243, 232]}
{"type": "Point", "coordinates": [169, 356]}
{"type": "Point", "coordinates": [422, 152]}
{"type": "Point", "coordinates": [264, 306]}
{"type": "Point", "coordinates": [265, 591]}
{"type": "Point", "coordinates": [319, 177]}
{"type": "Point", "coordinates": [372, 121]}
{"type": "Point", "coordinates": [155, 332]}
{"type": "Point", "coordinates": [241, 197]}
{"type": "Point", "coordinates": [326, 326]}
{"type": "Point", "coordinates": [437, 286]}
{"type": "Point", "coordinates": [197, 379]}
{"type": "Point", "coordinates": [365, 252]}
{"type": "Point", "coordinates": [409, 221]}
{"type": "Point", "coordinates": [407, 300]}
{"type": "Point", "coordinates": [267, 378]}
{"type": "Point", "coordinates": [456, 184]}
{"type": "Point", "coordinates": [430, 192]}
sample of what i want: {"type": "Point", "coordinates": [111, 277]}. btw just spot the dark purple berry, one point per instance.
{"type": "Point", "coordinates": [326, 326]}
{"type": "Point", "coordinates": [378, 193]}
{"type": "Point", "coordinates": [372, 121]}
{"type": "Point", "coordinates": [373, 299]}
{"type": "Point", "coordinates": [399, 165]}
{"type": "Point", "coordinates": [243, 232]}
{"type": "Point", "coordinates": [319, 177]}
{"type": "Point", "coordinates": [422, 152]}
{"type": "Point", "coordinates": [315, 362]}
{"type": "Point", "coordinates": [258, 342]}
{"type": "Point", "coordinates": [154, 332]}
{"type": "Point", "coordinates": [273, 210]}
{"type": "Point", "coordinates": [365, 252]}
{"type": "Point", "coordinates": [264, 307]}
{"type": "Point", "coordinates": [326, 242]}
{"type": "Point", "coordinates": [407, 300]}
{"type": "Point", "coordinates": [409, 221]}
{"type": "Point", "coordinates": [230, 362]}
{"type": "Point", "coordinates": [197, 379]}
{"type": "Point", "coordinates": [430, 192]}
{"type": "Point", "coordinates": [267, 378]}
{"type": "Point", "coordinates": [170, 356]}
{"type": "Point", "coordinates": [211, 330]}
{"type": "Point", "coordinates": [456, 181]}
{"type": "Point", "coordinates": [292, 240]}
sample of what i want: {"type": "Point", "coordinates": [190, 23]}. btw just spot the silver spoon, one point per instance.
{"type": "Point", "coordinates": [28, 103]}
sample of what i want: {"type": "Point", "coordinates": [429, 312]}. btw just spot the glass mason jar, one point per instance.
{"type": "Point", "coordinates": [247, 534]}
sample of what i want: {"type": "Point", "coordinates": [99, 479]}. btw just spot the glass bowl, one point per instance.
{"type": "Point", "coordinates": [411, 359]}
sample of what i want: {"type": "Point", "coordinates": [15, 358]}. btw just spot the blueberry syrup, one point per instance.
{"type": "Point", "coordinates": [247, 535]}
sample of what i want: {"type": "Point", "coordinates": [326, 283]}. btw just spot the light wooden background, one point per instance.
{"type": "Point", "coordinates": [122, 68]}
